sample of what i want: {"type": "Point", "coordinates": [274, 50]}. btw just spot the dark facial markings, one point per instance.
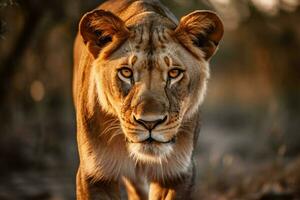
{"type": "Point", "coordinates": [142, 34]}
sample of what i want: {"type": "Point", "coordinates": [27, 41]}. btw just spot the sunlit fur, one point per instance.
{"type": "Point", "coordinates": [145, 37]}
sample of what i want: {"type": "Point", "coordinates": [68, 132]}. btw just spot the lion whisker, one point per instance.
{"type": "Point", "coordinates": [108, 129]}
{"type": "Point", "coordinates": [113, 136]}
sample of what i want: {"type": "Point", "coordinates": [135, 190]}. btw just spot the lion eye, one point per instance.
{"type": "Point", "coordinates": [174, 73]}
{"type": "Point", "coordinates": [126, 72]}
{"type": "Point", "coordinates": [126, 75]}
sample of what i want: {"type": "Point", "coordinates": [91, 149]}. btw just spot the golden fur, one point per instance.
{"type": "Point", "coordinates": [140, 131]}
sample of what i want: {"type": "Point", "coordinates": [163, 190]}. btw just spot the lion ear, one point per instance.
{"type": "Point", "coordinates": [99, 28]}
{"type": "Point", "coordinates": [203, 28]}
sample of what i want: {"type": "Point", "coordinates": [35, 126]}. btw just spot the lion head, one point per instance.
{"type": "Point", "coordinates": [151, 73]}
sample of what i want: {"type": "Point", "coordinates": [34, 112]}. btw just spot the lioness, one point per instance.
{"type": "Point", "coordinates": [139, 79]}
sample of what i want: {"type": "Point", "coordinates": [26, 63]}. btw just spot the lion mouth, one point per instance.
{"type": "Point", "coordinates": [151, 140]}
{"type": "Point", "coordinates": [150, 149]}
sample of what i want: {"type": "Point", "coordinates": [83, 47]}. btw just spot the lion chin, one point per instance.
{"type": "Point", "coordinates": [150, 151]}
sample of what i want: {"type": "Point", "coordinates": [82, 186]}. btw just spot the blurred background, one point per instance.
{"type": "Point", "coordinates": [249, 145]}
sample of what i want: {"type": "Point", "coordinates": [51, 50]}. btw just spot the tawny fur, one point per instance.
{"type": "Point", "coordinates": [145, 37]}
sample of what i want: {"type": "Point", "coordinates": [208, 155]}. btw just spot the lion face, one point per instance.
{"type": "Point", "coordinates": [152, 77]}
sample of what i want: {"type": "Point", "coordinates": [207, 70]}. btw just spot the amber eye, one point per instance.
{"type": "Point", "coordinates": [174, 73]}
{"type": "Point", "coordinates": [126, 72]}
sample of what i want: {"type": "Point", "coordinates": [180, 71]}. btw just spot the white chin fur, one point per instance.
{"type": "Point", "coordinates": [150, 153]}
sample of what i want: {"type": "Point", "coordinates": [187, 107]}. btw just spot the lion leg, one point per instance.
{"type": "Point", "coordinates": [134, 189]}
{"type": "Point", "coordinates": [160, 191]}
{"type": "Point", "coordinates": [88, 189]}
{"type": "Point", "coordinates": [176, 189]}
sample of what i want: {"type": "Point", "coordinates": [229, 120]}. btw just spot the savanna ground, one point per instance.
{"type": "Point", "coordinates": [249, 145]}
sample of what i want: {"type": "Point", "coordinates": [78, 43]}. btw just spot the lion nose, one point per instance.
{"type": "Point", "coordinates": [150, 124]}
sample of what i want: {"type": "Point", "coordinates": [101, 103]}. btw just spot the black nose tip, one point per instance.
{"type": "Point", "coordinates": [150, 125]}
